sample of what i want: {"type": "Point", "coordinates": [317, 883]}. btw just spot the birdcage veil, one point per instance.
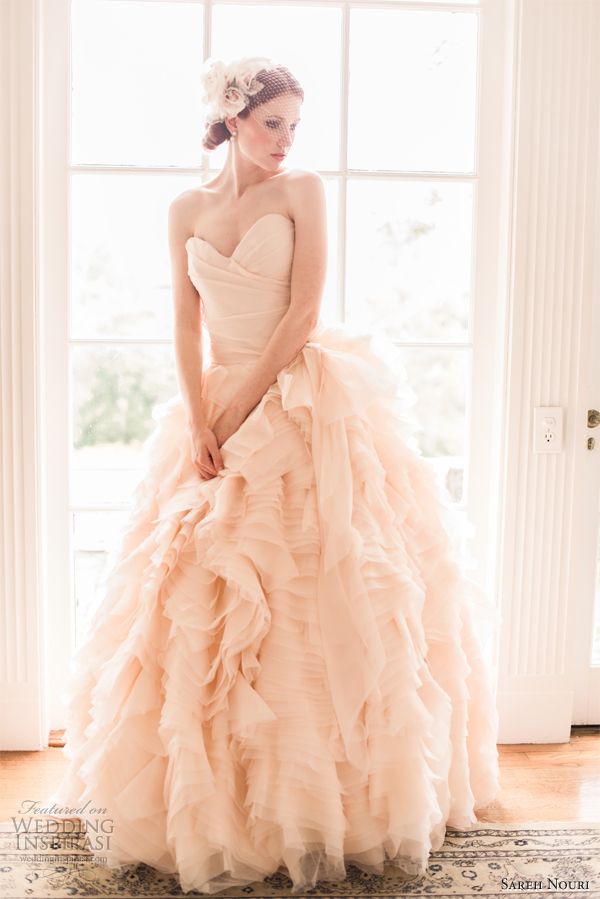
{"type": "Point", "coordinates": [251, 86]}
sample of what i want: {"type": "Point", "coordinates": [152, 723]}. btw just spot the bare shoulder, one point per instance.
{"type": "Point", "coordinates": [183, 215]}
{"type": "Point", "coordinates": [299, 176]}
{"type": "Point", "coordinates": [306, 196]}
{"type": "Point", "coordinates": [299, 180]}
{"type": "Point", "coordinates": [184, 202]}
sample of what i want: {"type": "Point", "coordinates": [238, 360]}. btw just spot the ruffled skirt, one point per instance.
{"type": "Point", "coordinates": [287, 668]}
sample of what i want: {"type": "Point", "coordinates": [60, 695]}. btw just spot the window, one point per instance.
{"type": "Point", "coordinates": [390, 120]}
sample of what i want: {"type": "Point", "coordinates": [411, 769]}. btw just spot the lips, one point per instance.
{"type": "Point", "coordinates": [278, 155]}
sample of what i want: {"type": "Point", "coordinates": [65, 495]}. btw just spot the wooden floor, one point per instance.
{"type": "Point", "coordinates": [540, 782]}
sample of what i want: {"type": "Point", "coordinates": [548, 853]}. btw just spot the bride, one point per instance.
{"type": "Point", "coordinates": [253, 183]}
{"type": "Point", "coordinates": [286, 669]}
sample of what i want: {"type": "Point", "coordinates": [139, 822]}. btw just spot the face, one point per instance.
{"type": "Point", "coordinates": [267, 134]}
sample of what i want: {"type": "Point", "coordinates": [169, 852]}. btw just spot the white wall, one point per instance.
{"type": "Point", "coordinates": [22, 720]}
{"type": "Point", "coordinates": [554, 236]}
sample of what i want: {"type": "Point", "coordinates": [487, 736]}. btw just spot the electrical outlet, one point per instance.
{"type": "Point", "coordinates": [548, 429]}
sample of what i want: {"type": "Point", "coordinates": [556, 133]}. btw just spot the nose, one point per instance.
{"type": "Point", "coordinates": [285, 137]}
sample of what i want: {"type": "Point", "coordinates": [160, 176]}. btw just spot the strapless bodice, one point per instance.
{"type": "Point", "coordinates": [245, 295]}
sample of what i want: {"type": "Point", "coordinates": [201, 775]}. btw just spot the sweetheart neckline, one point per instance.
{"type": "Point", "coordinates": [243, 237]}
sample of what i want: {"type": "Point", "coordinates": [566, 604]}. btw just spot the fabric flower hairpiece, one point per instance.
{"type": "Point", "coordinates": [228, 88]}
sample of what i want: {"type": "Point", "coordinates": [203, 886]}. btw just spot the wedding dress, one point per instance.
{"type": "Point", "coordinates": [286, 667]}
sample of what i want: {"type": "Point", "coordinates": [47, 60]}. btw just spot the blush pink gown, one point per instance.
{"type": "Point", "coordinates": [286, 669]}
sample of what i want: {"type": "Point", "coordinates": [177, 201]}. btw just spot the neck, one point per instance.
{"type": "Point", "coordinates": [238, 173]}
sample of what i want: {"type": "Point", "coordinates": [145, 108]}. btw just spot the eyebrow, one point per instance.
{"type": "Point", "coordinates": [275, 116]}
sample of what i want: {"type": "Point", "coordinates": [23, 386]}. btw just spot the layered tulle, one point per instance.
{"type": "Point", "coordinates": [287, 667]}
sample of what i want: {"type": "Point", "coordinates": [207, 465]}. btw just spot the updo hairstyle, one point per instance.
{"type": "Point", "coordinates": [278, 80]}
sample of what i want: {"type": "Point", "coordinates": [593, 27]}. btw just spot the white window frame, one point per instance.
{"type": "Point", "coordinates": [487, 338]}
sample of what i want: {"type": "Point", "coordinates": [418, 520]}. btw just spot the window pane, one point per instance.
{"type": "Point", "coordinates": [409, 257]}
{"type": "Point", "coordinates": [440, 379]}
{"type": "Point", "coordinates": [135, 98]}
{"type": "Point", "coordinates": [120, 266]}
{"type": "Point", "coordinates": [285, 32]}
{"type": "Point", "coordinates": [330, 291]}
{"type": "Point", "coordinates": [114, 392]}
{"type": "Point", "coordinates": [95, 537]}
{"type": "Point", "coordinates": [412, 91]}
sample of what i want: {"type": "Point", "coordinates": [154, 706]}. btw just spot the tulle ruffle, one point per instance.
{"type": "Point", "coordinates": [287, 668]}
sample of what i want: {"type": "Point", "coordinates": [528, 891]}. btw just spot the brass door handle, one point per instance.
{"type": "Point", "coordinates": [593, 418]}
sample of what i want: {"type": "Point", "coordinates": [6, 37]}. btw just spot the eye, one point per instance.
{"type": "Point", "coordinates": [272, 124]}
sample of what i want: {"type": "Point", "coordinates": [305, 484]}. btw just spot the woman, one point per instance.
{"type": "Point", "coordinates": [284, 670]}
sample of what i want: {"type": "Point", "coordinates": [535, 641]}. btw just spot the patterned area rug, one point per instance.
{"type": "Point", "coordinates": [491, 860]}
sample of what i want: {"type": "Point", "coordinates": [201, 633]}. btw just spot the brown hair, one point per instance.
{"type": "Point", "coordinates": [278, 80]}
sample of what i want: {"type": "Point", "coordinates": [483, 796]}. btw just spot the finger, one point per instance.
{"type": "Point", "coordinates": [214, 450]}
{"type": "Point", "coordinates": [217, 459]}
{"type": "Point", "coordinates": [205, 459]}
{"type": "Point", "coordinates": [205, 470]}
{"type": "Point", "coordinates": [201, 459]}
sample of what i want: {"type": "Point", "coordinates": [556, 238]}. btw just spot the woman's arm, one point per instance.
{"type": "Point", "coordinates": [188, 339]}
{"type": "Point", "coordinates": [309, 267]}
{"type": "Point", "coordinates": [186, 310]}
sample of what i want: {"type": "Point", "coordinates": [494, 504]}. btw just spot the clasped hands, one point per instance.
{"type": "Point", "coordinates": [207, 441]}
